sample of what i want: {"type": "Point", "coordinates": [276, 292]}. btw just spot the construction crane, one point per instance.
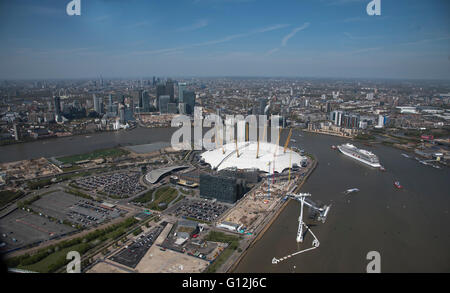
{"type": "Point", "coordinates": [318, 212]}
{"type": "Point", "coordinates": [287, 140]}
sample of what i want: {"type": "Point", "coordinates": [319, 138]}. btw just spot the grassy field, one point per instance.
{"type": "Point", "coordinates": [51, 262]}
{"type": "Point", "coordinates": [7, 196]}
{"type": "Point", "coordinates": [220, 260]}
{"type": "Point", "coordinates": [165, 194]}
{"type": "Point", "coordinates": [233, 242]}
{"type": "Point", "coordinates": [144, 198]}
{"type": "Point", "coordinates": [51, 259]}
{"type": "Point", "coordinates": [39, 183]}
{"type": "Point", "coordinates": [197, 220]}
{"type": "Point", "coordinates": [74, 175]}
{"type": "Point", "coordinates": [79, 193]}
{"type": "Point", "coordinates": [188, 192]}
{"type": "Point", "coordinates": [365, 137]}
{"type": "Point", "coordinates": [180, 198]}
{"type": "Point", "coordinates": [224, 238]}
{"type": "Point", "coordinates": [105, 153]}
{"type": "Point", "coordinates": [73, 168]}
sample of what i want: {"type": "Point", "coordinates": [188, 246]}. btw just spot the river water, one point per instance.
{"type": "Point", "coordinates": [66, 146]}
{"type": "Point", "coordinates": [408, 227]}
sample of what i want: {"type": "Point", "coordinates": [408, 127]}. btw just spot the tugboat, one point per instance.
{"type": "Point", "coordinates": [398, 185]}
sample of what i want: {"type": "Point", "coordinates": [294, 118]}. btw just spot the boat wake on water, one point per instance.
{"type": "Point", "coordinates": [351, 190]}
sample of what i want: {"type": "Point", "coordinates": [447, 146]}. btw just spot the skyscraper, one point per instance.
{"type": "Point", "coordinates": [141, 103]}
{"type": "Point", "coordinates": [110, 104]}
{"type": "Point", "coordinates": [181, 88]}
{"type": "Point", "coordinates": [164, 101]}
{"type": "Point", "coordinates": [145, 102]}
{"type": "Point", "coordinates": [98, 105]}
{"type": "Point", "coordinates": [160, 91]}
{"type": "Point", "coordinates": [328, 107]}
{"type": "Point", "coordinates": [170, 90]}
{"type": "Point", "coordinates": [57, 106]}
{"type": "Point", "coordinates": [262, 105]}
{"type": "Point", "coordinates": [189, 101]}
{"type": "Point", "coordinates": [122, 113]}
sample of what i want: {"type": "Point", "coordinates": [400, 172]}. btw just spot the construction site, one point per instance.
{"type": "Point", "coordinates": [279, 167]}
{"type": "Point", "coordinates": [29, 169]}
{"type": "Point", "coordinates": [258, 203]}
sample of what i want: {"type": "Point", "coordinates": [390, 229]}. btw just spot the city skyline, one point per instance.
{"type": "Point", "coordinates": [319, 39]}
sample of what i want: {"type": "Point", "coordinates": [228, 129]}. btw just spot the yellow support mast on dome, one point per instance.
{"type": "Point", "coordinates": [290, 166]}
{"type": "Point", "coordinates": [287, 140]}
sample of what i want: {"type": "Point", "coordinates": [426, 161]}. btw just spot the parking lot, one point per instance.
{"type": "Point", "coordinates": [76, 210]}
{"type": "Point", "coordinates": [130, 256]}
{"type": "Point", "coordinates": [21, 228]}
{"type": "Point", "coordinates": [122, 185]}
{"type": "Point", "coordinates": [203, 210]}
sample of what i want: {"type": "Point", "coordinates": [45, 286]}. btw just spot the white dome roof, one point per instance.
{"type": "Point", "coordinates": [247, 157]}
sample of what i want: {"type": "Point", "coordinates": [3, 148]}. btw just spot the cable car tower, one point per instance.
{"type": "Point", "coordinates": [316, 212]}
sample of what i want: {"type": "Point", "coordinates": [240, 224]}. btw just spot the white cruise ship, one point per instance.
{"type": "Point", "coordinates": [360, 155]}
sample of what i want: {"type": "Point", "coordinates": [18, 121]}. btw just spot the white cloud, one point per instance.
{"type": "Point", "coordinates": [427, 40]}
{"type": "Point", "coordinates": [272, 28]}
{"type": "Point", "coordinates": [287, 37]}
{"type": "Point", "coordinates": [212, 42]}
{"type": "Point", "coordinates": [291, 34]}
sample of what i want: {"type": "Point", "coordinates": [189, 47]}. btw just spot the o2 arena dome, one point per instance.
{"type": "Point", "coordinates": [269, 156]}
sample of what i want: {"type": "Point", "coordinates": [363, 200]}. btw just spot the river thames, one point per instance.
{"type": "Point", "coordinates": [408, 227]}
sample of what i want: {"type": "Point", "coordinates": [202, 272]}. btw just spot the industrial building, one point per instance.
{"type": "Point", "coordinates": [223, 187]}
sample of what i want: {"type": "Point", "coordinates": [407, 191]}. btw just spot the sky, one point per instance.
{"type": "Point", "coordinates": [295, 38]}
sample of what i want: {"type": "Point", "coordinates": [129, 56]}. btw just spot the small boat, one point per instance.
{"type": "Point", "coordinates": [398, 185]}
{"type": "Point", "coordinates": [382, 168]}
{"type": "Point", "coordinates": [333, 147]}
{"type": "Point", "coordinates": [351, 190]}
{"type": "Point", "coordinates": [406, 156]}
